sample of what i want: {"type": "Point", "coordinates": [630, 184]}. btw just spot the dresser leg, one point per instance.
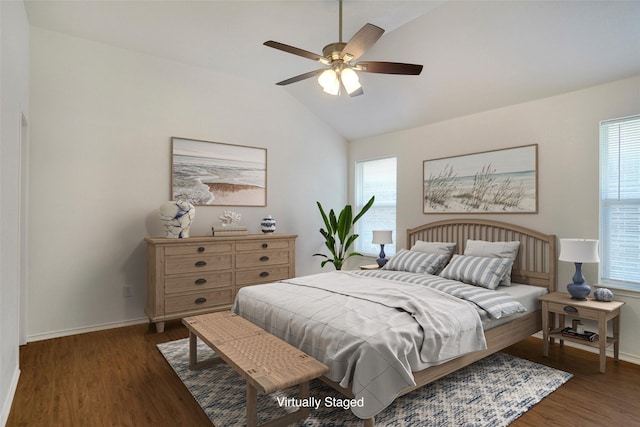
{"type": "Point", "coordinates": [159, 327]}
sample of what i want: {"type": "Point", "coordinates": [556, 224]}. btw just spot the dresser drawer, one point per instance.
{"type": "Point", "coordinates": [572, 310]}
{"type": "Point", "coordinates": [198, 249]}
{"type": "Point", "coordinates": [256, 259]}
{"type": "Point", "coordinates": [198, 282]}
{"type": "Point", "coordinates": [198, 263]}
{"type": "Point", "coordinates": [261, 275]}
{"type": "Point", "coordinates": [198, 301]}
{"type": "Point", "coordinates": [258, 246]}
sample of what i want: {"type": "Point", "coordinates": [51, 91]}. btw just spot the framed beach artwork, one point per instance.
{"type": "Point", "coordinates": [218, 174]}
{"type": "Point", "coordinates": [499, 181]}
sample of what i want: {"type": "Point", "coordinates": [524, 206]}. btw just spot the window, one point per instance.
{"type": "Point", "coordinates": [376, 178]}
{"type": "Point", "coordinates": [620, 203]}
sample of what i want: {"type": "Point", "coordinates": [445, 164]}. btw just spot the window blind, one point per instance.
{"type": "Point", "coordinates": [620, 202]}
{"type": "Point", "coordinates": [376, 178]}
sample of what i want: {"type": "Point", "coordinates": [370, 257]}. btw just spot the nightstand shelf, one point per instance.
{"type": "Point", "coordinates": [557, 305]}
{"type": "Point", "coordinates": [556, 333]}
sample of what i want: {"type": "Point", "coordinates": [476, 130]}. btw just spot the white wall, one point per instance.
{"type": "Point", "coordinates": [14, 104]}
{"type": "Point", "coordinates": [102, 119]}
{"type": "Point", "coordinates": [566, 129]}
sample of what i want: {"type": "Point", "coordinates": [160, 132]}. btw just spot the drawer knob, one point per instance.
{"type": "Point", "coordinates": [201, 249]}
{"type": "Point", "coordinates": [570, 309]}
{"type": "Point", "coordinates": [265, 245]}
{"type": "Point", "coordinates": [201, 281]}
{"type": "Point", "coordinates": [201, 263]}
{"type": "Point", "coordinates": [200, 300]}
{"type": "Point", "coordinates": [264, 274]}
{"type": "Point", "coordinates": [264, 258]}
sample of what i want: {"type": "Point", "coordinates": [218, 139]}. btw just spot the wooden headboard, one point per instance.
{"type": "Point", "coordinates": [536, 260]}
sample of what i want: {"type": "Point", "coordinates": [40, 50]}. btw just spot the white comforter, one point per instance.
{"type": "Point", "coordinates": [372, 333]}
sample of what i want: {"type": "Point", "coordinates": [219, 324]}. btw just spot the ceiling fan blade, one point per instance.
{"type": "Point", "coordinates": [389, 68]}
{"type": "Point", "coordinates": [300, 77]}
{"type": "Point", "coordinates": [294, 50]}
{"type": "Point", "coordinates": [361, 42]}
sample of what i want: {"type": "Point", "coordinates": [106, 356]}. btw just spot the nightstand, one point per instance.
{"type": "Point", "coordinates": [557, 305]}
{"type": "Point", "coordinates": [370, 267]}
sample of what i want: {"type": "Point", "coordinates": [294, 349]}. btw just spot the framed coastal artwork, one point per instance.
{"type": "Point", "coordinates": [499, 181]}
{"type": "Point", "coordinates": [218, 174]}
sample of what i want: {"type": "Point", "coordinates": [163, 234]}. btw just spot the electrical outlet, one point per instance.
{"type": "Point", "coordinates": [127, 291]}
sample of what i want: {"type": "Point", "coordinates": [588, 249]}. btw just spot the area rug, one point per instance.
{"type": "Point", "coordinates": [491, 392]}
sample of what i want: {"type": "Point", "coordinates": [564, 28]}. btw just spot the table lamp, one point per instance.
{"type": "Point", "coordinates": [579, 251]}
{"type": "Point", "coordinates": [381, 237]}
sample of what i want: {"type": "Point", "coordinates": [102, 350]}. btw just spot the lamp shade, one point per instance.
{"type": "Point", "coordinates": [579, 250]}
{"type": "Point", "coordinates": [329, 82]}
{"type": "Point", "coordinates": [350, 80]}
{"type": "Point", "coordinates": [382, 237]}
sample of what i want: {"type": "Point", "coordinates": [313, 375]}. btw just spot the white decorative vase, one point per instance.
{"type": "Point", "coordinates": [176, 217]}
{"type": "Point", "coordinates": [268, 224]}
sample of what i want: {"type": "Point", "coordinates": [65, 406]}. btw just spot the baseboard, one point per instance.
{"type": "Point", "coordinates": [93, 328]}
{"type": "Point", "coordinates": [6, 405]}
{"type": "Point", "coordinates": [627, 357]}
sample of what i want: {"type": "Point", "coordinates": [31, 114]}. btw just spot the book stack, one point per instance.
{"type": "Point", "coordinates": [586, 335]}
{"type": "Point", "coordinates": [232, 230]}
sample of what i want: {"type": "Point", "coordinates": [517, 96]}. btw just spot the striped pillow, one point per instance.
{"type": "Point", "coordinates": [416, 262]}
{"type": "Point", "coordinates": [478, 271]}
{"type": "Point", "coordinates": [494, 250]}
{"type": "Point", "coordinates": [445, 248]}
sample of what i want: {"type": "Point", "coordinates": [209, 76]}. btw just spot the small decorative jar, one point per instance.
{"type": "Point", "coordinates": [176, 217]}
{"type": "Point", "coordinates": [603, 294]}
{"type": "Point", "coordinates": [268, 224]}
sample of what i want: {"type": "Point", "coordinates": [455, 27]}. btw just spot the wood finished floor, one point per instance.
{"type": "Point", "coordinates": [119, 378]}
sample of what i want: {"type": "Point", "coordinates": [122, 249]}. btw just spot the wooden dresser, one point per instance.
{"type": "Point", "coordinates": [198, 275]}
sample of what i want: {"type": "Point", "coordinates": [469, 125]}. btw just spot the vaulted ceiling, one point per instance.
{"type": "Point", "coordinates": [477, 55]}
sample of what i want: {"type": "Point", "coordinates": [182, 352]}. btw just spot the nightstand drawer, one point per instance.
{"type": "Point", "coordinates": [198, 301]}
{"type": "Point", "coordinates": [573, 310]}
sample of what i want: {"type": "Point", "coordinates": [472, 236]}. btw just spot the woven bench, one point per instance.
{"type": "Point", "coordinates": [266, 362]}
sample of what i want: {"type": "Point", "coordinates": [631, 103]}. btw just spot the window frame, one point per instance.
{"type": "Point", "coordinates": [361, 199]}
{"type": "Point", "coordinates": [606, 203]}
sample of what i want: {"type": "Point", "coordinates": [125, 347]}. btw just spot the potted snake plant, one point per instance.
{"type": "Point", "coordinates": [337, 235]}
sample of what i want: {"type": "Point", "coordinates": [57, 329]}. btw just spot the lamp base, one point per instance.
{"type": "Point", "coordinates": [382, 260]}
{"type": "Point", "coordinates": [578, 291]}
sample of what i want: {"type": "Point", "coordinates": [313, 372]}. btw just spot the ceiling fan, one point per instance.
{"type": "Point", "coordinates": [340, 70]}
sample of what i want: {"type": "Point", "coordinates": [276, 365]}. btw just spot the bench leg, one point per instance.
{"type": "Point", "coordinates": [285, 420]}
{"type": "Point", "coordinates": [193, 355]}
{"type": "Point", "coordinates": [252, 406]}
{"type": "Point", "coordinates": [193, 351]}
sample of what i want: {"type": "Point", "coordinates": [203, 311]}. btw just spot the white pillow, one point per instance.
{"type": "Point", "coordinates": [444, 248]}
{"type": "Point", "coordinates": [482, 248]}
{"type": "Point", "coordinates": [479, 271]}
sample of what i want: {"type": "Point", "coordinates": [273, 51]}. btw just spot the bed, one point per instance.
{"type": "Point", "coordinates": [393, 302]}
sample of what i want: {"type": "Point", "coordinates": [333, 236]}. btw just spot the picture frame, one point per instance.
{"type": "Point", "coordinates": [206, 173]}
{"type": "Point", "coordinates": [496, 181]}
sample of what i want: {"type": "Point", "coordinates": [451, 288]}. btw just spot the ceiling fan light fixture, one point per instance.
{"type": "Point", "coordinates": [329, 82]}
{"type": "Point", "coordinates": [350, 80]}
